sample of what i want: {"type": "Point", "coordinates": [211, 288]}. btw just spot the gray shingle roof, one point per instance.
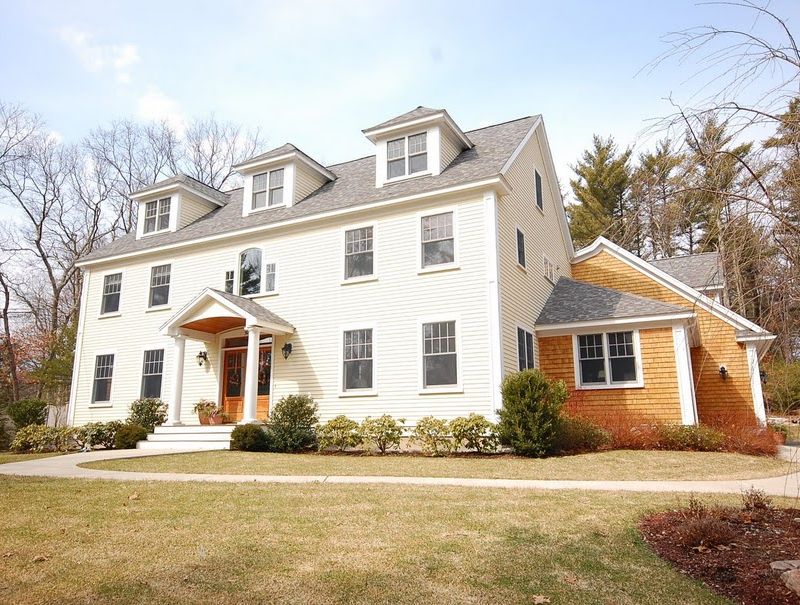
{"type": "Point", "coordinates": [272, 153]}
{"type": "Point", "coordinates": [414, 114]}
{"type": "Point", "coordinates": [254, 309]}
{"type": "Point", "coordinates": [190, 183]}
{"type": "Point", "coordinates": [699, 271]}
{"type": "Point", "coordinates": [354, 186]}
{"type": "Point", "coordinates": [573, 301]}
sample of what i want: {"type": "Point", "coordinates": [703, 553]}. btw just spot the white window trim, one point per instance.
{"type": "Point", "coordinates": [268, 172]}
{"type": "Point", "coordinates": [516, 339]}
{"type": "Point", "coordinates": [545, 263]}
{"type": "Point", "coordinates": [265, 260]}
{"type": "Point", "coordinates": [428, 170]}
{"type": "Point", "coordinates": [288, 188]}
{"type": "Point", "coordinates": [152, 347]}
{"type": "Point", "coordinates": [373, 392]}
{"type": "Point", "coordinates": [535, 203]}
{"type": "Point", "coordinates": [456, 264]}
{"type": "Point", "coordinates": [637, 354]}
{"type": "Point", "coordinates": [103, 404]}
{"type": "Point", "coordinates": [343, 247]}
{"type": "Point", "coordinates": [521, 267]}
{"type": "Point", "coordinates": [102, 277]}
{"type": "Point", "coordinates": [224, 280]}
{"type": "Point", "coordinates": [446, 389]}
{"type": "Point", "coordinates": [174, 206]}
{"type": "Point", "coordinates": [155, 308]}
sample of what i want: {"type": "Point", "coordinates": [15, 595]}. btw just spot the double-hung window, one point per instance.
{"type": "Point", "coordinates": [103, 373]}
{"type": "Point", "coordinates": [250, 272]}
{"type": "Point", "coordinates": [156, 215]}
{"type": "Point", "coordinates": [358, 253]}
{"type": "Point", "coordinates": [525, 349]}
{"type": "Point", "coordinates": [269, 277]}
{"type": "Point", "coordinates": [439, 354]}
{"type": "Point", "coordinates": [159, 285]}
{"type": "Point", "coordinates": [438, 241]}
{"type": "Point", "coordinates": [407, 155]}
{"type": "Point", "coordinates": [152, 373]}
{"type": "Point", "coordinates": [112, 286]}
{"type": "Point", "coordinates": [609, 359]}
{"type": "Point", "coordinates": [229, 277]}
{"type": "Point", "coordinates": [549, 269]}
{"type": "Point", "coordinates": [268, 189]}
{"type": "Point", "coordinates": [520, 247]}
{"type": "Point", "coordinates": [358, 360]}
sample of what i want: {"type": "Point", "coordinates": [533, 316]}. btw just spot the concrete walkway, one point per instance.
{"type": "Point", "coordinates": [66, 467]}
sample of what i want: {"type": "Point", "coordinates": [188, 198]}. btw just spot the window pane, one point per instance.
{"type": "Point", "coordinates": [357, 359]}
{"type": "Point", "coordinates": [152, 371]}
{"type": "Point", "coordinates": [621, 357]}
{"type": "Point", "coordinates": [358, 252]}
{"type": "Point", "coordinates": [440, 360]}
{"type": "Point", "coordinates": [417, 143]}
{"type": "Point", "coordinates": [539, 197]}
{"type": "Point", "coordinates": [112, 284]}
{"type": "Point", "coordinates": [396, 168]}
{"type": "Point", "coordinates": [269, 277]}
{"type": "Point", "coordinates": [521, 352]}
{"type": "Point", "coordinates": [440, 370]}
{"type": "Point", "coordinates": [436, 227]}
{"type": "Point", "coordinates": [159, 285]}
{"type": "Point", "coordinates": [163, 213]}
{"type": "Point", "coordinates": [529, 348]}
{"type": "Point", "coordinates": [417, 163]}
{"type": "Point", "coordinates": [260, 182]}
{"type": "Point", "coordinates": [264, 367]}
{"type": "Point", "coordinates": [229, 282]}
{"type": "Point", "coordinates": [395, 149]}
{"type": "Point", "coordinates": [150, 209]}
{"type": "Point", "coordinates": [358, 374]}
{"type": "Point", "coordinates": [438, 253]}
{"type": "Point", "coordinates": [276, 196]}
{"type": "Point", "coordinates": [591, 346]}
{"type": "Point", "coordinates": [276, 178]}
{"type": "Point", "coordinates": [593, 371]}
{"type": "Point", "coordinates": [250, 272]}
{"type": "Point", "coordinates": [234, 374]}
{"type": "Point", "coordinates": [259, 200]}
{"type": "Point", "coordinates": [623, 369]}
{"type": "Point", "coordinates": [103, 373]}
{"type": "Point", "coordinates": [520, 248]}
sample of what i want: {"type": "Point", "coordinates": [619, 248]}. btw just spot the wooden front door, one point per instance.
{"type": "Point", "coordinates": [233, 377]}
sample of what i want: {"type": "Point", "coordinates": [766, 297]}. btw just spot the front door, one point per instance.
{"type": "Point", "coordinates": [233, 377]}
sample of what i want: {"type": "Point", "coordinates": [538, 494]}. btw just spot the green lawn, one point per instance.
{"type": "Point", "coordinates": [620, 465]}
{"type": "Point", "coordinates": [12, 457]}
{"type": "Point", "coordinates": [70, 541]}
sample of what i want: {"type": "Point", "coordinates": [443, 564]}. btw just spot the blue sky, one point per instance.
{"type": "Point", "coordinates": [316, 73]}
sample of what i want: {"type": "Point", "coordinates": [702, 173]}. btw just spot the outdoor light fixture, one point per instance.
{"type": "Point", "coordinates": [202, 357]}
{"type": "Point", "coordinates": [287, 350]}
{"type": "Point", "coordinates": [723, 371]}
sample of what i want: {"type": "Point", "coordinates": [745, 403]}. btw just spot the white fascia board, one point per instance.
{"type": "Point", "coordinates": [677, 286]}
{"type": "Point", "coordinates": [652, 321]}
{"type": "Point", "coordinates": [497, 182]}
{"type": "Point", "coordinates": [375, 134]}
{"type": "Point", "coordinates": [251, 166]}
{"type": "Point", "coordinates": [172, 188]}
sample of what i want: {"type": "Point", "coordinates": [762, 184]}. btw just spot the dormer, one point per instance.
{"type": "Point", "coordinates": [419, 143]}
{"type": "Point", "coordinates": [280, 178]}
{"type": "Point", "coordinates": [173, 203]}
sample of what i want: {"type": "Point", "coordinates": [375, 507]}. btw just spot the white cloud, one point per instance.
{"type": "Point", "coordinates": [154, 105]}
{"type": "Point", "coordinates": [97, 58]}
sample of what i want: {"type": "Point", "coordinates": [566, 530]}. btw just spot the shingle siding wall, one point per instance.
{"type": "Point", "coordinates": [718, 345]}
{"type": "Point", "coordinates": [312, 298]}
{"type": "Point", "coordinates": [523, 293]}
{"type": "Point", "coordinates": [658, 399]}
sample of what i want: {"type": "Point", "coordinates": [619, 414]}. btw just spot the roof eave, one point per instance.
{"type": "Point", "coordinates": [250, 165]}
{"type": "Point", "coordinates": [376, 133]}
{"type": "Point", "coordinates": [640, 321]}
{"type": "Point", "coordinates": [140, 195]}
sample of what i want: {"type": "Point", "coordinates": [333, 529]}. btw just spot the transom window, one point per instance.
{"type": "Point", "coordinates": [358, 253]}
{"type": "Point", "coordinates": [112, 286]}
{"type": "Point", "coordinates": [399, 163]}
{"type": "Point", "coordinates": [250, 272]}
{"type": "Point", "coordinates": [103, 373]}
{"type": "Point", "coordinates": [358, 361]}
{"type": "Point", "coordinates": [156, 215]}
{"type": "Point", "coordinates": [438, 242]}
{"type": "Point", "coordinates": [525, 349]}
{"type": "Point", "coordinates": [539, 196]}
{"type": "Point", "coordinates": [159, 285]}
{"type": "Point", "coordinates": [520, 247]}
{"type": "Point", "coordinates": [268, 189]}
{"type": "Point", "coordinates": [152, 372]}
{"type": "Point", "coordinates": [608, 359]}
{"type": "Point", "coordinates": [439, 354]}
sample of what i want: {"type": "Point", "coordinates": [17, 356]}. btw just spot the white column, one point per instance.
{"type": "Point", "coordinates": [683, 368]}
{"type": "Point", "coordinates": [178, 352]}
{"type": "Point", "coordinates": [755, 383]}
{"type": "Point", "coordinates": [251, 376]}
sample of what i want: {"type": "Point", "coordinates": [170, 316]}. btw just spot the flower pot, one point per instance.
{"type": "Point", "coordinates": [215, 419]}
{"type": "Point", "coordinates": [204, 419]}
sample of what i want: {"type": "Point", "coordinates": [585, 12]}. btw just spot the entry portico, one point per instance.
{"type": "Point", "coordinates": [207, 315]}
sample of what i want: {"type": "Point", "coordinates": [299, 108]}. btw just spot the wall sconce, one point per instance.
{"type": "Point", "coordinates": [287, 350]}
{"type": "Point", "coordinates": [723, 371]}
{"type": "Point", "coordinates": [202, 357]}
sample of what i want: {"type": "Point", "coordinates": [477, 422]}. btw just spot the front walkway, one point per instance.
{"type": "Point", "coordinates": [66, 467]}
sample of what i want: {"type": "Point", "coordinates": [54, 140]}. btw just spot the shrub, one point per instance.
{"type": "Point", "coordinates": [339, 433]}
{"type": "Point", "coordinates": [755, 499]}
{"type": "Point", "coordinates": [697, 438]}
{"type": "Point", "coordinates": [291, 425]}
{"type": "Point", "coordinates": [384, 432]}
{"type": "Point", "coordinates": [96, 434]}
{"type": "Point", "coordinates": [474, 432]}
{"type": "Point", "coordinates": [129, 435]}
{"type": "Point", "coordinates": [530, 414]}
{"type": "Point", "coordinates": [40, 438]}
{"type": "Point", "coordinates": [433, 435]}
{"type": "Point", "coordinates": [781, 429]}
{"type": "Point", "coordinates": [743, 434]}
{"type": "Point", "coordinates": [249, 438]}
{"type": "Point", "coordinates": [575, 434]}
{"type": "Point", "coordinates": [148, 412]}
{"type": "Point", "coordinates": [27, 411]}
{"type": "Point", "coordinates": [704, 531]}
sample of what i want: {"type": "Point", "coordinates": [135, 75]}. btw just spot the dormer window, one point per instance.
{"type": "Point", "coordinates": [156, 215]}
{"type": "Point", "coordinates": [399, 163]}
{"type": "Point", "coordinates": [268, 189]}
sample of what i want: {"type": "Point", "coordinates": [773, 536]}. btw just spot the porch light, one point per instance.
{"type": "Point", "coordinates": [723, 371]}
{"type": "Point", "coordinates": [202, 357]}
{"type": "Point", "coordinates": [287, 350]}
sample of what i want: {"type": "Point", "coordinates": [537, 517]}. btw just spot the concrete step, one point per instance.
{"type": "Point", "coordinates": [199, 436]}
{"type": "Point", "coordinates": [224, 429]}
{"type": "Point", "coordinates": [183, 445]}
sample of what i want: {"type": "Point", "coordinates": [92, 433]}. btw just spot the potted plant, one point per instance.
{"type": "Point", "coordinates": [216, 416]}
{"type": "Point", "coordinates": [204, 408]}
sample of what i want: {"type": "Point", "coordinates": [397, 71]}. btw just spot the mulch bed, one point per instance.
{"type": "Point", "coordinates": [739, 569]}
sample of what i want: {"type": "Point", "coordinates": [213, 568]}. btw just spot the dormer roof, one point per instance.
{"type": "Point", "coordinates": [420, 116]}
{"type": "Point", "coordinates": [284, 153]}
{"type": "Point", "coordinates": [220, 198]}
